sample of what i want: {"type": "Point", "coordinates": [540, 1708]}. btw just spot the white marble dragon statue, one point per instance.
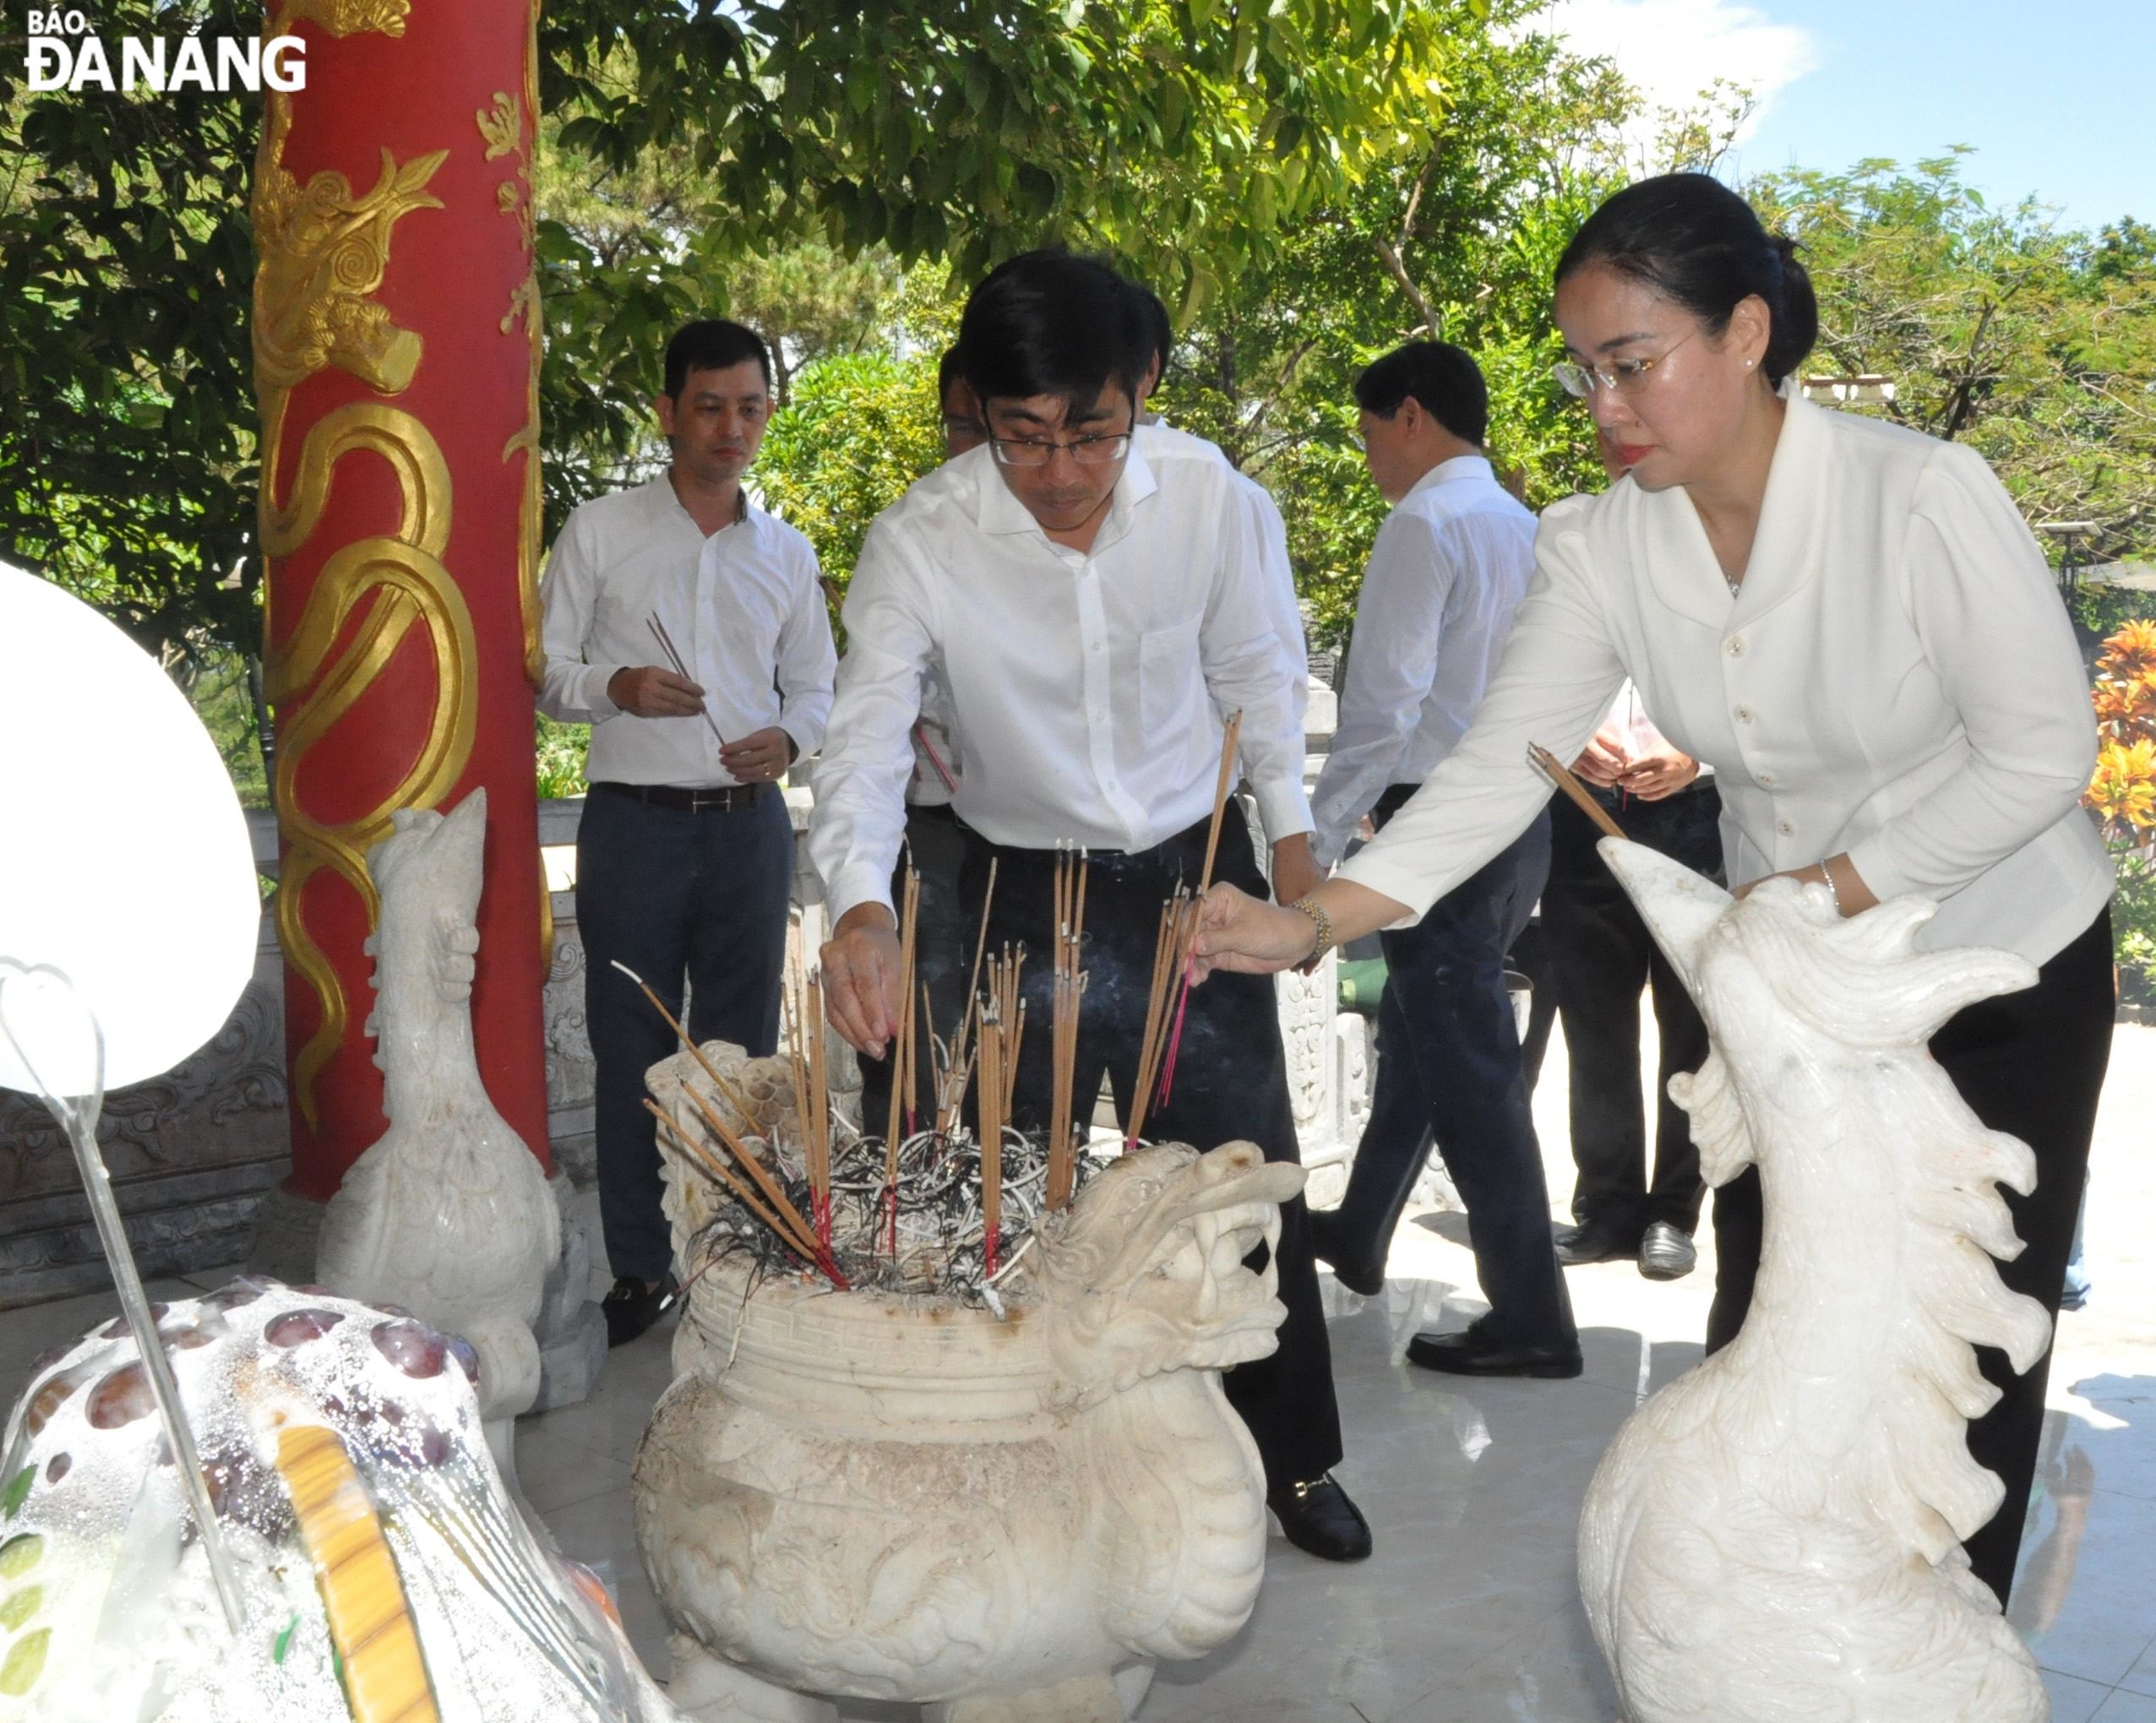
{"type": "Point", "coordinates": [1774, 1537]}
{"type": "Point", "coordinates": [383, 1573]}
{"type": "Point", "coordinates": [448, 1214]}
{"type": "Point", "coordinates": [857, 1494]}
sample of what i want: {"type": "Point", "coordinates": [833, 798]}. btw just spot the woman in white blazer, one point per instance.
{"type": "Point", "coordinates": [1852, 624]}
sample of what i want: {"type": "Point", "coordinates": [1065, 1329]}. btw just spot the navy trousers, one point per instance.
{"type": "Point", "coordinates": [1601, 957]}
{"type": "Point", "coordinates": [1450, 1063]}
{"type": "Point", "coordinates": [700, 898]}
{"type": "Point", "coordinates": [1230, 1083]}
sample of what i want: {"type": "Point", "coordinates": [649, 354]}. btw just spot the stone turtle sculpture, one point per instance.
{"type": "Point", "coordinates": [386, 1576]}
{"type": "Point", "coordinates": [1775, 1536]}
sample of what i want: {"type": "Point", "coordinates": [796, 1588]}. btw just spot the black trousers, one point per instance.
{"type": "Point", "coordinates": [1230, 1082]}
{"type": "Point", "coordinates": [943, 953]}
{"type": "Point", "coordinates": [674, 895]}
{"type": "Point", "coordinates": [1600, 957]}
{"type": "Point", "coordinates": [1450, 1064]}
{"type": "Point", "coordinates": [2030, 1064]}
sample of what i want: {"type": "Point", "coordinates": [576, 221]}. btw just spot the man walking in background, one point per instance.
{"type": "Point", "coordinates": [1449, 567]}
{"type": "Point", "coordinates": [686, 627]}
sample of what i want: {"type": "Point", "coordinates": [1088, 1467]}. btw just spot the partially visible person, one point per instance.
{"type": "Point", "coordinates": [1601, 956]}
{"type": "Point", "coordinates": [935, 847]}
{"type": "Point", "coordinates": [1854, 625]}
{"type": "Point", "coordinates": [684, 857]}
{"type": "Point", "coordinates": [1094, 610]}
{"type": "Point", "coordinates": [1266, 526]}
{"type": "Point", "coordinates": [1448, 568]}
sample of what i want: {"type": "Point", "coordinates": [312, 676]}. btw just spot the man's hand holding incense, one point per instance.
{"type": "Point", "coordinates": [648, 692]}
{"type": "Point", "coordinates": [861, 977]}
{"type": "Point", "coordinates": [760, 757]}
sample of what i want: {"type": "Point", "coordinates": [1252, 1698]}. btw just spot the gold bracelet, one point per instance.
{"type": "Point", "coordinates": [1318, 920]}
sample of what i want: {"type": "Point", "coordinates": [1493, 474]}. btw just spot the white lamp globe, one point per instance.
{"type": "Point", "coordinates": [124, 858]}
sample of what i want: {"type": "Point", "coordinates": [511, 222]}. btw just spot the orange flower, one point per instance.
{"type": "Point", "coordinates": [2131, 649]}
{"type": "Point", "coordinates": [2123, 788]}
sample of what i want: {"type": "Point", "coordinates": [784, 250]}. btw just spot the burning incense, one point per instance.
{"type": "Point", "coordinates": [680, 666]}
{"type": "Point", "coordinates": [733, 1095]}
{"type": "Point", "coordinates": [1168, 946]}
{"type": "Point", "coordinates": [1189, 965]}
{"type": "Point", "coordinates": [901, 1052]}
{"type": "Point", "coordinates": [1554, 769]}
{"type": "Point", "coordinates": [990, 1117]}
{"type": "Point", "coordinates": [1067, 991]}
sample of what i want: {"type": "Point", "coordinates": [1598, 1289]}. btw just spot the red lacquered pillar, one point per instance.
{"type": "Point", "coordinates": [396, 345]}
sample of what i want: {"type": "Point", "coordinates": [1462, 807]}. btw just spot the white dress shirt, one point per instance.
{"type": "Point", "coordinates": [1895, 678]}
{"type": "Point", "coordinates": [1449, 567]}
{"type": "Point", "coordinates": [744, 606]}
{"type": "Point", "coordinates": [1089, 689]}
{"type": "Point", "coordinates": [1159, 438]}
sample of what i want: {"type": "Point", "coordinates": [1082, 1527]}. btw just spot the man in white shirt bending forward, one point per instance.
{"type": "Point", "coordinates": [1449, 567]}
{"type": "Point", "coordinates": [685, 858]}
{"type": "Point", "coordinates": [1091, 613]}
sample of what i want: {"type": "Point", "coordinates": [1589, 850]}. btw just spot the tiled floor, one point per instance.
{"type": "Point", "coordinates": [1468, 1612]}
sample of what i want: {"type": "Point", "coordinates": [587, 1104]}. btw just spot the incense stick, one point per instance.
{"type": "Point", "coordinates": [733, 1095]}
{"type": "Point", "coordinates": [1554, 769]}
{"type": "Point", "coordinates": [1168, 943]}
{"type": "Point", "coordinates": [681, 669]}
{"type": "Point", "coordinates": [901, 1051]}
{"type": "Point", "coordinates": [1067, 990]}
{"type": "Point", "coordinates": [1188, 966]}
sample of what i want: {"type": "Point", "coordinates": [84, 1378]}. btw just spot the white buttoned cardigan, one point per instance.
{"type": "Point", "coordinates": [1896, 677]}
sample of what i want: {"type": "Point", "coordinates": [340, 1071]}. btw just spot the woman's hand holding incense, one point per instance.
{"type": "Point", "coordinates": [1246, 936]}
{"type": "Point", "coordinates": [862, 966]}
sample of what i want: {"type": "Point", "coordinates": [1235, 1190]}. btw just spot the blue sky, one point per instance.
{"type": "Point", "coordinates": [2058, 97]}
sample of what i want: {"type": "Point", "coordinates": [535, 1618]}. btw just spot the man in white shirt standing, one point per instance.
{"type": "Point", "coordinates": [685, 858]}
{"type": "Point", "coordinates": [1092, 612]}
{"type": "Point", "coordinates": [1449, 566]}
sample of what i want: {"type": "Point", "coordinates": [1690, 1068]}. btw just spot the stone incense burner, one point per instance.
{"type": "Point", "coordinates": [863, 1495]}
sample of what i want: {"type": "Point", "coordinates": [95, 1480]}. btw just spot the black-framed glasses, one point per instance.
{"type": "Point", "coordinates": [1098, 450]}
{"type": "Point", "coordinates": [1623, 377]}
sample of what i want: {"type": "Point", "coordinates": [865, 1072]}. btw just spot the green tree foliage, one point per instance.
{"type": "Point", "coordinates": [1453, 236]}
{"type": "Point", "coordinates": [860, 429]}
{"type": "Point", "coordinates": [2034, 344]}
{"type": "Point", "coordinates": [1193, 128]}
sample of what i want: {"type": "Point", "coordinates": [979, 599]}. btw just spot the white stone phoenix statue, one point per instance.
{"type": "Point", "coordinates": [448, 1214]}
{"type": "Point", "coordinates": [1775, 1537]}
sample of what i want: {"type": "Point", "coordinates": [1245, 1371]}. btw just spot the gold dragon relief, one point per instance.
{"type": "Point", "coordinates": [502, 128]}
{"type": "Point", "coordinates": [324, 251]}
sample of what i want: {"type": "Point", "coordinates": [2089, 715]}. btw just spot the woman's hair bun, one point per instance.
{"type": "Point", "coordinates": [1691, 238]}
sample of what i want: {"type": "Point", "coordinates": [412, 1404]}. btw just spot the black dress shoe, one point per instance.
{"type": "Point", "coordinates": [1594, 1243]}
{"type": "Point", "coordinates": [1319, 1518]}
{"type": "Point", "coordinates": [1357, 1273]}
{"type": "Point", "coordinates": [1473, 1352]}
{"type": "Point", "coordinates": [632, 1307]}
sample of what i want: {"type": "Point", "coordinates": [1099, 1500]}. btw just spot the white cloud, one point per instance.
{"type": "Point", "coordinates": [1674, 49]}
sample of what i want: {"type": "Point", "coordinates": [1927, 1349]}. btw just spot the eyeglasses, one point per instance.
{"type": "Point", "coordinates": [1038, 452]}
{"type": "Point", "coordinates": [1624, 377]}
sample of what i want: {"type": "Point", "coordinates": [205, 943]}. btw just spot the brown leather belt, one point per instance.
{"type": "Point", "coordinates": [725, 800]}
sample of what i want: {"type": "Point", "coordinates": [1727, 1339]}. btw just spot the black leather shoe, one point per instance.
{"type": "Point", "coordinates": [1357, 1273]}
{"type": "Point", "coordinates": [632, 1307]}
{"type": "Point", "coordinates": [1319, 1518]}
{"type": "Point", "coordinates": [1593, 1243]}
{"type": "Point", "coordinates": [1667, 1254]}
{"type": "Point", "coordinates": [1473, 1353]}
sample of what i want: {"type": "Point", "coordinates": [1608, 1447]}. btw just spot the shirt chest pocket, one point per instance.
{"type": "Point", "coordinates": [1171, 681]}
